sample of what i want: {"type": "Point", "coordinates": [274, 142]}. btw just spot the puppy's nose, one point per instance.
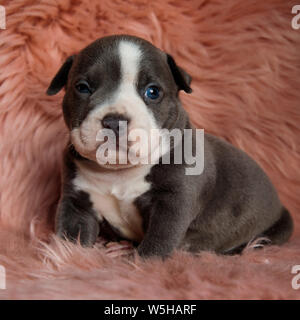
{"type": "Point", "coordinates": [112, 121]}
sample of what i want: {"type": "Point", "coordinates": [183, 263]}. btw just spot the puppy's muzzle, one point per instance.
{"type": "Point", "coordinates": [114, 121]}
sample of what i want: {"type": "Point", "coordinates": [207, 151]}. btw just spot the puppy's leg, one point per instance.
{"type": "Point", "coordinates": [76, 219]}
{"type": "Point", "coordinates": [168, 223]}
{"type": "Point", "coordinates": [281, 230]}
{"type": "Point", "coordinates": [277, 234]}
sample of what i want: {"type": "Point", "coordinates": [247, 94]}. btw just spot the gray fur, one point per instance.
{"type": "Point", "coordinates": [231, 203]}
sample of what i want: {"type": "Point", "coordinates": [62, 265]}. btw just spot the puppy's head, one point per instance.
{"type": "Point", "coordinates": [119, 78]}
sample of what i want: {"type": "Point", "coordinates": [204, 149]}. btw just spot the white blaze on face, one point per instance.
{"type": "Point", "coordinates": [125, 101]}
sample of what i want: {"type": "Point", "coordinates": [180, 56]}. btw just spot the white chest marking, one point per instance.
{"type": "Point", "coordinates": [113, 193]}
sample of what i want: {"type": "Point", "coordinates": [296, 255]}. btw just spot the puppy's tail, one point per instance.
{"type": "Point", "coordinates": [281, 230]}
{"type": "Point", "coordinates": [277, 234]}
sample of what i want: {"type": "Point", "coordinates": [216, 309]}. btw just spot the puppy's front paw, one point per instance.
{"type": "Point", "coordinates": [83, 230]}
{"type": "Point", "coordinates": [146, 251]}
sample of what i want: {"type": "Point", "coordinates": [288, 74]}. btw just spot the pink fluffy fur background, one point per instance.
{"type": "Point", "coordinates": [244, 58]}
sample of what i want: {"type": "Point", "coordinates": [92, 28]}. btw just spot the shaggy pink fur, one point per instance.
{"type": "Point", "coordinates": [245, 63]}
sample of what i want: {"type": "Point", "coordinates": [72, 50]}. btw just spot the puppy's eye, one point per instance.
{"type": "Point", "coordinates": [83, 87]}
{"type": "Point", "coordinates": [152, 92]}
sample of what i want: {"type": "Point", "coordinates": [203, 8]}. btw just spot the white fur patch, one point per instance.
{"type": "Point", "coordinates": [112, 193]}
{"type": "Point", "coordinates": [130, 56]}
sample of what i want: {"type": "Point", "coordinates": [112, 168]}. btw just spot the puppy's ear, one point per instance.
{"type": "Point", "coordinates": [61, 77]}
{"type": "Point", "coordinates": [181, 77]}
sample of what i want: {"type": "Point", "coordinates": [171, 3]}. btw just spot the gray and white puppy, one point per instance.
{"type": "Point", "coordinates": [156, 206]}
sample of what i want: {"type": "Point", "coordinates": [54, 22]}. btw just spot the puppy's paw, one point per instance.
{"type": "Point", "coordinates": [78, 231]}
{"type": "Point", "coordinates": [146, 250]}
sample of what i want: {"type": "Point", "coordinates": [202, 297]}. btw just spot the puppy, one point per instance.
{"type": "Point", "coordinates": [157, 206]}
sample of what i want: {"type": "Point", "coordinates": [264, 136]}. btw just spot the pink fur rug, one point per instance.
{"type": "Point", "coordinates": [244, 57]}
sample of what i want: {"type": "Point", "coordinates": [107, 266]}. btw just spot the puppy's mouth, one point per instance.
{"type": "Point", "coordinates": [130, 149]}
{"type": "Point", "coordinates": [115, 137]}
